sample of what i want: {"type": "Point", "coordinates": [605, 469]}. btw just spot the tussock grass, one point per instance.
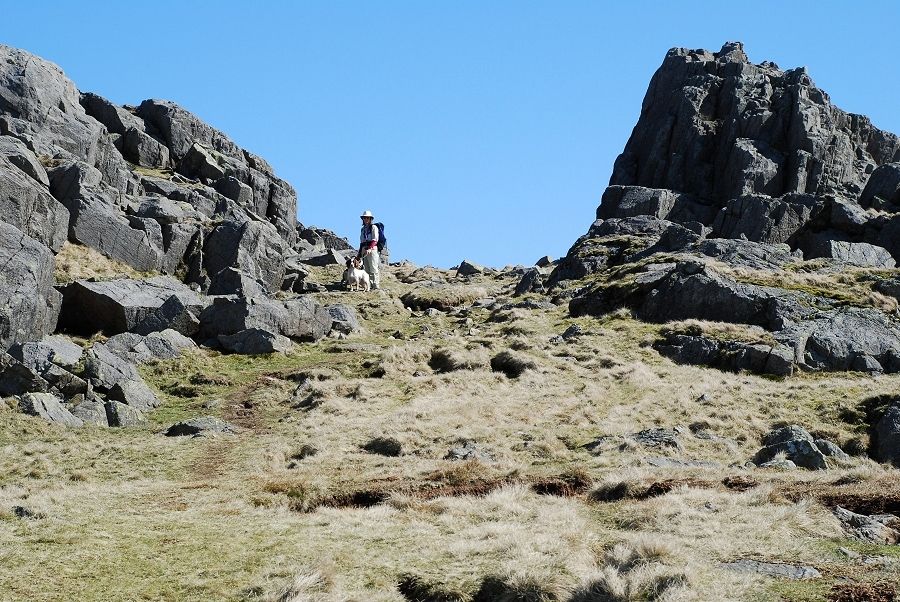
{"type": "Point", "coordinates": [405, 359]}
{"type": "Point", "coordinates": [634, 572]}
{"type": "Point", "coordinates": [511, 364]}
{"type": "Point", "coordinates": [419, 589]}
{"type": "Point", "coordinates": [448, 360]}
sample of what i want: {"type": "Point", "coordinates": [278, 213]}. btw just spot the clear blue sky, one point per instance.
{"type": "Point", "coordinates": [473, 129]}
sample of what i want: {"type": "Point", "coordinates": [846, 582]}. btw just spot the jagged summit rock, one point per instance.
{"type": "Point", "coordinates": [716, 126]}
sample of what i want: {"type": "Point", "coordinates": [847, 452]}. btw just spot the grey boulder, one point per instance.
{"type": "Point", "coordinates": [90, 411]}
{"type": "Point", "coordinates": [343, 318]}
{"type": "Point", "coordinates": [531, 282]}
{"type": "Point", "coordinates": [48, 407]}
{"type": "Point", "coordinates": [38, 367]}
{"type": "Point", "coordinates": [854, 253]}
{"type": "Point", "coordinates": [16, 378]}
{"type": "Point", "coordinates": [255, 341]}
{"type": "Point", "coordinates": [55, 349]}
{"type": "Point", "coordinates": [883, 187]}
{"type": "Point", "coordinates": [121, 305]}
{"type": "Point", "coordinates": [830, 449]}
{"type": "Point", "coordinates": [326, 258]}
{"type": "Point", "coordinates": [796, 444]}
{"type": "Point", "coordinates": [201, 162]}
{"type": "Point", "coordinates": [178, 313]}
{"type": "Point", "coordinates": [134, 393]}
{"type": "Point", "coordinates": [231, 281]}
{"type": "Point", "coordinates": [300, 318]}
{"type": "Point", "coordinates": [122, 415]}
{"type": "Point", "coordinates": [138, 349]}
{"type": "Point", "coordinates": [253, 248]}
{"type": "Point", "coordinates": [467, 268]}
{"type": "Point", "coordinates": [200, 426]}
{"type": "Point", "coordinates": [104, 369]}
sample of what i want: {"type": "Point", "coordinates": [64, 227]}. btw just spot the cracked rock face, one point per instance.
{"type": "Point", "coordinates": [29, 305]}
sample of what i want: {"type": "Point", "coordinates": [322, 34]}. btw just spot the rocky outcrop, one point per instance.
{"type": "Point", "coordinates": [156, 188]}
{"type": "Point", "coordinates": [796, 444]}
{"type": "Point", "coordinates": [100, 201]}
{"type": "Point", "coordinates": [25, 200]}
{"type": "Point", "coordinates": [793, 572]}
{"type": "Point", "coordinates": [735, 356]}
{"type": "Point", "coordinates": [40, 107]}
{"type": "Point", "coordinates": [872, 529]}
{"type": "Point", "coordinates": [733, 176]}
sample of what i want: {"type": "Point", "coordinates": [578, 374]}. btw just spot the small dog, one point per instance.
{"type": "Point", "coordinates": [355, 277]}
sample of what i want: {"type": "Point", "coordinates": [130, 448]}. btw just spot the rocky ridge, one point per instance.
{"type": "Point", "coordinates": [155, 188]}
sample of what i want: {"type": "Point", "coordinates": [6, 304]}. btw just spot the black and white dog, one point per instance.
{"type": "Point", "coordinates": [355, 277]}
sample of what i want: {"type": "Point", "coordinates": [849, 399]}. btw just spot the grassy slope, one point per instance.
{"type": "Point", "coordinates": [130, 514]}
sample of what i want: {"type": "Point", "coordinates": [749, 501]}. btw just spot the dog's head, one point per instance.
{"type": "Point", "coordinates": [349, 262]}
{"type": "Point", "coordinates": [356, 262]}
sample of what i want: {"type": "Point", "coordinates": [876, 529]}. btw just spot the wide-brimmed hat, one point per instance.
{"type": "Point", "coordinates": [367, 214]}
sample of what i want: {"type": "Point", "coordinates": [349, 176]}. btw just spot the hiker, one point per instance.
{"type": "Point", "coordinates": [368, 247]}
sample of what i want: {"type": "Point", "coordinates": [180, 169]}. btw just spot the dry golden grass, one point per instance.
{"type": "Point", "coordinates": [851, 285]}
{"type": "Point", "coordinates": [77, 262]}
{"type": "Point", "coordinates": [725, 331]}
{"type": "Point", "coordinates": [130, 514]}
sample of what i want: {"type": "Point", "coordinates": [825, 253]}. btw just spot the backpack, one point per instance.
{"type": "Point", "coordinates": [382, 239]}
